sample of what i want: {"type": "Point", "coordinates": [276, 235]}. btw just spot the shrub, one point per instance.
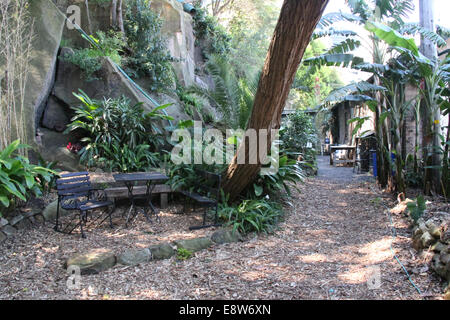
{"type": "Point", "coordinates": [149, 56]}
{"type": "Point", "coordinates": [298, 131]}
{"type": "Point", "coordinates": [118, 135]}
{"type": "Point", "coordinates": [183, 254]}
{"type": "Point", "coordinates": [88, 59]}
{"type": "Point", "coordinates": [215, 38]}
{"type": "Point", "coordinates": [191, 101]}
{"type": "Point", "coordinates": [289, 174]}
{"type": "Point", "coordinates": [19, 178]}
{"type": "Point", "coordinates": [258, 215]}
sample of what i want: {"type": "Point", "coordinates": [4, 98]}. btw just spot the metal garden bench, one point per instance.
{"type": "Point", "coordinates": [75, 192]}
{"type": "Point", "coordinates": [205, 194]}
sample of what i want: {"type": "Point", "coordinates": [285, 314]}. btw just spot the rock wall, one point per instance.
{"type": "Point", "coordinates": [433, 236]}
{"type": "Point", "coordinates": [178, 30]}
{"type": "Point", "coordinates": [48, 27]}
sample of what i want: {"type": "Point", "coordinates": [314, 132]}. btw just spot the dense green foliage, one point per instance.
{"type": "Point", "coordinates": [18, 178]}
{"type": "Point", "coordinates": [298, 135]}
{"type": "Point", "coordinates": [209, 34]}
{"type": "Point", "coordinates": [252, 215]}
{"type": "Point", "coordinates": [89, 59]}
{"type": "Point", "coordinates": [148, 56]}
{"type": "Point", "coordinates": [118, 136]}
{"type": "Point", "coordinates": [312, 85]}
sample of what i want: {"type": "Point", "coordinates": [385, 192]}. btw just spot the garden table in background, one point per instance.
{"type": "Point", "coordinates": [130, 180]}
{"type": "Point", "coordinates": [333, 149]}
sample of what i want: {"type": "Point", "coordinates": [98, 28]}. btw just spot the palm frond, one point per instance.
{"type": "Point", "coordinates": [345, 46]}
{"type": "Point", "coordinates": [321, 33]}
{"type": "Point", "coordinates": [353, 92]}
{"type": "Point", "coordinates": [414, 28]}
{"type": "Point", "coordinates": [332, 17]}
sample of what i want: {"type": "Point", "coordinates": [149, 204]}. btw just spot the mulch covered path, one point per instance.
{"type": "Point", "coordinates": [334, 239]}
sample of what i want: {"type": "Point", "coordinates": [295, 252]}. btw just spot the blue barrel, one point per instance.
{"type": "Point", "coordinates": [373, 153]}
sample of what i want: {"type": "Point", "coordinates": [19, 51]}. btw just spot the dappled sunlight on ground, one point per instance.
{"type": "Point", "coordinates": [325, 249]}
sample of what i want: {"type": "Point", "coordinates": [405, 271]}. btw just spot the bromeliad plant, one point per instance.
{"type": "Point", "coordinates": [19, 178]}
{"type": "Point", "coordinates": [118, 135]}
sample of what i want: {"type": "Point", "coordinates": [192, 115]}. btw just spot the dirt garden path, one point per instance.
{"type": "Point", "coordinates": [334, 238]}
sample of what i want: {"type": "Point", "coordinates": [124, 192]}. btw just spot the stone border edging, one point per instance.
{"type": "Point", "coordinates": [98, 260]}
{"type": "Point", "coordinates": [8, 228]}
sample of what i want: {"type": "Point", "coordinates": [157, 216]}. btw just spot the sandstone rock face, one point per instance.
{"type": "Point", "coordinates": [177, 28]}
{"type": "Point", "coordinates": [111, 83]}
{"type": "Point", "coordinates": [56, 115]}
{"type": "Point", "coordinates": [99, 19]}
{"type": "Point", "coordinates": [53, 147]}
{"type": "Point", "coordinates": [48, 27]}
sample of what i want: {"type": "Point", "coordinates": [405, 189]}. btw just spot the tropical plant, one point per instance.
{"type": "Point", "coordinates": [19, 178]}
{"type": "Point", "coordinates": [117, 134]}
{"type": "Point", "coordinates": [233, 96]}
{"type": "Point", "coordinates": [289, 173]}
{"type": "Point", "coordinates": [364, 14]}
{"type": "Point", "coordinates": [260, 215]}
{"type": "Point", "coordinates": [388, 37]}
{"type": "Point", "coordinates": [148, 55]}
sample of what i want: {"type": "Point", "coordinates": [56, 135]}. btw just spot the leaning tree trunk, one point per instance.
{"type": "Point", "coordinates": [296, 23]}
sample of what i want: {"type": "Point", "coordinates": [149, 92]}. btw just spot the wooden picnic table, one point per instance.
{"type": "Point", "coordinates": [333, 149]}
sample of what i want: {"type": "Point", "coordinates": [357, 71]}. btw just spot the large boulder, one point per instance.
{"type": "Point", "coordinates": [93, 262]}
{"type": "Point", "coordinates": [56, 115]}
{"type": "Point", "coordinates": [49, 212]}
{"type": "Point", "coordinates": [53, 147]}
{"type": "Point", "coordinates": [47, 27]}
{"type": "Point", "coordinates": [110, 83]}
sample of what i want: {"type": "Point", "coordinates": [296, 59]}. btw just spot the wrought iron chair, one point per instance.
{"type": "Point", "coordinates": [206, 194]}
{"type": "Point", "coordinates": [75, 192]}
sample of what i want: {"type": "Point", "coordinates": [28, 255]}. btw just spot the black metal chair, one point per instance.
{"type": "Point", "coordinates": [75, 192]}
{"type": "Point", "coordinates": [206, 193]}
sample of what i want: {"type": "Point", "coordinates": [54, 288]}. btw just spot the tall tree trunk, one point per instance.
{"type": "Point", "coordinates": [120, 18]}
{"type": "Point", "coordinates": [431, 128]}
{"type": "Point", "coordinates": [88, 15]}
{"type": "Point", "coordinates": [297, 21]}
